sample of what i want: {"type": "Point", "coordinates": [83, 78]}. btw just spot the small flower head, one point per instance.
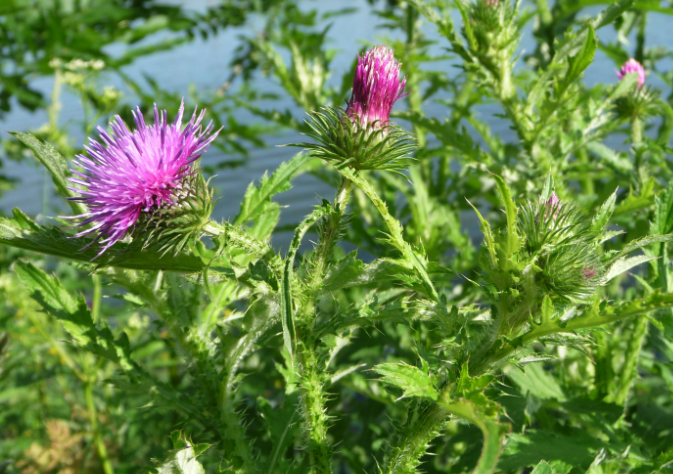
{"type": "Point", "coordinates": [376, 87]}
{"type": "Point", "coordinates": [633, 66]}
{"type": "Point", "coordinates": [139, 173]}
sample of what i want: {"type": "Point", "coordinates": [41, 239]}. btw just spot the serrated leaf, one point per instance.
{"type": "Point", "coordinates": [55, 164]}
{"type": "Point", "coordinates": [574, 447]}
{"type": "Point", "coordinates": [280, 422]}
{"type": "Point", "coordinates": [663, 212]}
{"type": "Point", "coordinates": [413, 381]}
{"type": "Point", "coordinates": [577, 64]}
{"type": "Point", "coordinates": [488, 237]}
{"type": "Point", "coordinates": [182, 459]}
{"type": "Point", "coordinates": [513, 241]}
{"type": "Point", "coordinates": [543, 468]}
{"type": "Point", "coordinates": [493, 432]}
{"type": "Point", "coordinates": [624, 264]}
{"type": "Point", "coordinates": [548, 189]}
{"type": "Point", "coordinates": [536, 381]}
{"type": "Point", "coordinates": [603, 215]}
{"type": "Point", "coordinates": [257, 198]}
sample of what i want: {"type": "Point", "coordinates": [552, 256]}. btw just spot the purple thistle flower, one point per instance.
{"type": "Point", "coordinates": [136, 172]}
{"type": "Point", "coordinates": [633, 66]}
{"type": "Point", "coordinates": [376, 87]}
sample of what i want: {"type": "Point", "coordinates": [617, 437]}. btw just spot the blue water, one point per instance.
{"type": "Point", "coordinates": [204, 64]}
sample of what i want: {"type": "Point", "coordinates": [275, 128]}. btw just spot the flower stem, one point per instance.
{"type": "Point", "coordinates": [627, 374]}
{"type": "Point", "coordinates": [420, 431]}
{"type": "Point", "coordinates": [313, 405]}
{"type": "Point", "coordinates": [97, 436]}
{"type": "Point", "coordinates": [312, 374]}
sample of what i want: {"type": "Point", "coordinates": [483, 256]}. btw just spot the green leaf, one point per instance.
{"type": "Point", "coordinates": [602, 218]}
{"type": "Point", "coordinates": [548, 189]}
{"type": "Point", "coordinates": [55, 164]}
{"type": "Point", "coordinates": [577, 64]}
{"type": "Point", "coordinates": [182, 459]}
{"type": "Point", "coordinates": [625, 264]}
{"type": "Point", "coordinates": [257, 200]}
{"type": "Point", "coordinates": [24, 233]}
{"type": "Point", "coordinates": [413, 381]}
{"type": "Point", "coordinates": [493, 432]}
{"type": "Point", "coordinates": [536, 381]}
{"type": "Point", "coordinates": [513, 241]}
{"type": "Point", "coordinates": [663, 212]}
{"type": "Point", "coordinates": [488, 237]}
{"type": "Point", "coordinates": [543, 468]}
{"type": "Point", "coordinates": [280, 422]}
{"type": "Point", "coordinates": [574, 447]}
{"type": "Point", "coordinates": [74, 314]}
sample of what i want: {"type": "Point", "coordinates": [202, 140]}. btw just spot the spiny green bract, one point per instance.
{"type": "Point", "coordinates": [344, 142]}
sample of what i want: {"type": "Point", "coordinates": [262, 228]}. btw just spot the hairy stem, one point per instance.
{"type": "Point", "coordinates": [413, 444]}
{"type": "Point", "coordinates": [312, 375]}
{"type": "Point", "coordinates": [313, 406]}
{"type": "Point", "coordinates": [628, 371]}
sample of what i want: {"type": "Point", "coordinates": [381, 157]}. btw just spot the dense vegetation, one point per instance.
{"type": "Point", "coordinates": [138, 334]}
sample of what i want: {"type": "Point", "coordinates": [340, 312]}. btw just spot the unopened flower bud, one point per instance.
{"type": "Point", "coordinates": [633, 66]}
{"type": "Point", "coordinates": [376, 87]}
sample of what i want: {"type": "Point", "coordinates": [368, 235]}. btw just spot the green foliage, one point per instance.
{"type": "Point", "coordinates": [546, 349]}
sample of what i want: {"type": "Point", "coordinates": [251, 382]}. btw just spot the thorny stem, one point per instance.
{"type": "Point", "coordinates": [330, 234]}
{"type": "Point", "coordinates": [313, 407]}
{"type": "Point", "coordinates": [312, 375]}
{"type": "Point", "coordinates": [420, 431]}
{"type": "Point", "coordinates": [628, 371]}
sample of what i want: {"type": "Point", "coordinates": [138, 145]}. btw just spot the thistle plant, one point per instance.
{"type": "Point", "coordinates": [386, 334]}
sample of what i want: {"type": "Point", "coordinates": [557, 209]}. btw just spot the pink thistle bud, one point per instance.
{"type": "Point", "coordinates": [633, 66]}
{"type": "Point", "coordinates": [492, 3]}
{"type": "Point", "coordinates": [376, 87]}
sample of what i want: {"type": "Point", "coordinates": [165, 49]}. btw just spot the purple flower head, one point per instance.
{"type": "Point", "coordinates": [633, 66]}
{"type": "Point", "coordinates": [376, 87]}
{"type": "Point", "coordinates": [136, 172]}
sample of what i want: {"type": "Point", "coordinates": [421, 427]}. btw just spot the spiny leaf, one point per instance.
{"type": "Point", "coordinates": [413, 381]}
{"type": "Point", "coordinates": [182, 459]}
{"type": "Point", "coordinates": [258, 198]}
{"type": "Point", "coordinates": [513, 241]}
{"type": "Point", "coordinates": [624, 264]}
{"type": "Point", "coordinates": [602, 218]}
{"type": "Point", "coordinates": [55, 164]}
